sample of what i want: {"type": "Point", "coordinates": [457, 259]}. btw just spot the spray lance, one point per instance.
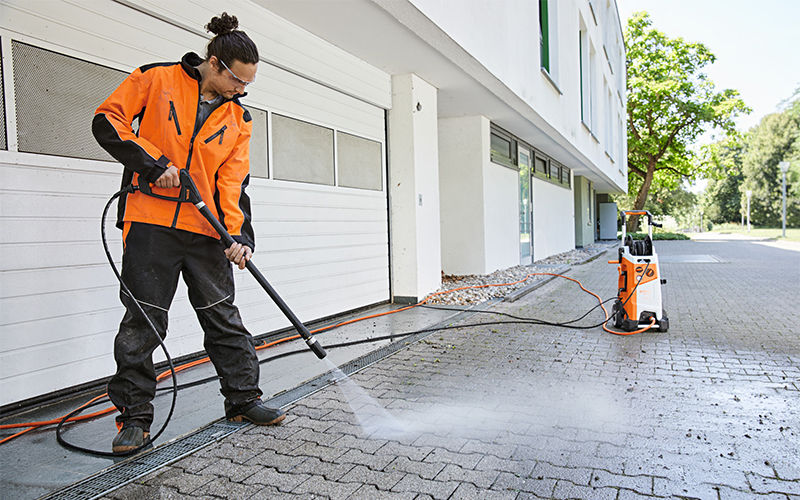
{"type": "Point", "coordinates": [190, 194]}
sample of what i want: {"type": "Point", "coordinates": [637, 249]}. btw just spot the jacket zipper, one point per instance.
{"type": "Point", "coordinates": [191, 148]}
{"type": "Point", "coordinates": [173, 116]}
{"type": "Point", "coordinates": [220, 133]}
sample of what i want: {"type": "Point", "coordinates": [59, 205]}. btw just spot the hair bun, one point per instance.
{"type": "Point", "coordinates": [224, 23]}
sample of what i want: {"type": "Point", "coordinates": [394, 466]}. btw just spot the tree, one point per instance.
{"type": "Point", "coordinates": [775, 139]}
{"type": "Point", "coordinates": [722, 200]}
{"type": "Point", "coordinates": [670, 103]}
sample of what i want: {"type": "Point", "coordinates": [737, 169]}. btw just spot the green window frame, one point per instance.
{"type": "Point", "coordinates": [544, 36]}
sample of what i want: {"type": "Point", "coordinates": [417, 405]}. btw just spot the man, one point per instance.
{"type": "Point", "coordinates": [189, 117]}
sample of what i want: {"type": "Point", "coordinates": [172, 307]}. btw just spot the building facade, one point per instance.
{"type": "Point", "coordinates": [393, 141]}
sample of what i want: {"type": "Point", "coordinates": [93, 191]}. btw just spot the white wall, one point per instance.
{"type": "Point", "coordinates": [553, 219]}
{"type": "Point", "coordinates": [480, 200]}
{"type": "Point", "coordinates": [502, 216]}
{"type": "Point", "coordinates": [414, 188]}
{"type": "Point", "coordinates": [504, 37]}
{"type": "Point", "coordinates": [463, 150]}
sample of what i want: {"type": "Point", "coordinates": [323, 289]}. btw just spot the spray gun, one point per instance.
{"type": "Point", "coordinates": [190, 194]}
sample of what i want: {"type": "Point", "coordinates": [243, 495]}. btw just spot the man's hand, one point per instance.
{"type": "Point", "coordinates": [170, 178]}
{"type": "Point", "coordinates": [239, 254]}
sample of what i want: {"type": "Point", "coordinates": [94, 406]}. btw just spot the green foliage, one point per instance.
{"type": "Point", "coordinates": [677, 203]}
{"type": "Point", "coordinates": [670, 103]}
{"type": "Point", "coordinates": [775, 139]}
{"type": "Point", "coordinates": [722, 201]}
{"type": "Point", "coordinates": [657, 236]}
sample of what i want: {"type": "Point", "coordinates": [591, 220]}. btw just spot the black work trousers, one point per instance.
{"type": "Point", "coordinates": [153, 258]}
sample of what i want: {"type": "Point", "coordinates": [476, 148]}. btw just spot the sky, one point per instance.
{"type": "Point", "coordinates": [757, 44]}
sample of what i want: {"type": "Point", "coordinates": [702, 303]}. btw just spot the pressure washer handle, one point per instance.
{"type": "Point", "coordinates": [197, 200]}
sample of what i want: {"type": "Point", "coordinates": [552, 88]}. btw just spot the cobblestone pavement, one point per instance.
{"type": "Point", "coordinates": [709, 409]}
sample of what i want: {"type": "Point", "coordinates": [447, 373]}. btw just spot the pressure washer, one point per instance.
{"type": "Point", "coordinates": [638, 304]}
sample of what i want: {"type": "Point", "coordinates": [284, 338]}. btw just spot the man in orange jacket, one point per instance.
{"type": "Point", "coordinates": [189, 117]}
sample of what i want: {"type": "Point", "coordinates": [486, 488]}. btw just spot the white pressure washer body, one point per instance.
{"type": "Point", "coordinates": [639, 298]}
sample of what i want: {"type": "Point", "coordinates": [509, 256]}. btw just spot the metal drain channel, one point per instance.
{"type": "Point", "coordinates": [125, 472]}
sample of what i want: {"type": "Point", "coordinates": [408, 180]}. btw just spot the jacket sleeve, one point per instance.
{"type": "Point", "coordinates": [233, 177]}
{"type": "Point", "coordinates": [111, 127]}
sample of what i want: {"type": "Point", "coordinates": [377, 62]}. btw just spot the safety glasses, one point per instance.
{"type": "Point", "coordinates": [244, 83]}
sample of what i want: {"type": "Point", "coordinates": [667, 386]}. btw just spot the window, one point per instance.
{"type": "Point", "coordinates": [540, 167]}
{"type": "Point", "coordinates": [593, 101]}
{"type": "Point", "coordinates": [55, 97]}
{"type": "Point", "coordinates": [544, 35]}
{"type": "Point", "coordinates": [302, 151]}
{"type": "Point", "coordinates": [503, 147]}
{"type": "Point", "coordinates": [548, 39]}
{"type": "Point", "coordinates": [258, 143]}
{"type": "Point", "coordinates": [360, 162]}
{"type": "Point", "coordinates": [583, 61]}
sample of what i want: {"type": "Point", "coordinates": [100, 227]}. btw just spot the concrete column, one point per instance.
{"type": "Point", "coordinates": [463, 150]}
{"type": "Point", "coordinates": [414, 189]}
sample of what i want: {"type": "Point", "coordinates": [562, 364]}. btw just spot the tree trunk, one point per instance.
{"type": "Point", "coordinates": [641, 197]}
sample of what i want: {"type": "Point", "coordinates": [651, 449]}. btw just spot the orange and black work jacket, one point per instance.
{"type": "Point", "coordinates": [165, 98]}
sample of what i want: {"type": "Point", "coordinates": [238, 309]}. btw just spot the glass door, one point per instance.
{"type": "Point", "coordinates": [525, 206]}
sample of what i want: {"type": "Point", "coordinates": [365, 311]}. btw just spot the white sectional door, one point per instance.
{"type": "Point", "coordinates": [318, 184]}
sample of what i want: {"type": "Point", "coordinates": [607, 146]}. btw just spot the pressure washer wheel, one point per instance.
{"type": "Point", "coordinates": [663, 325]}
{"type": "Point", "coordinates": [618, 314]}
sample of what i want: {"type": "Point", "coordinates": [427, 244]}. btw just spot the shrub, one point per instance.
{"type": "Point", "coordinates": [657, 236]}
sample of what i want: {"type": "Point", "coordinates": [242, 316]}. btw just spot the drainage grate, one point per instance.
{"type": "Point", "coordinates": [123, 473]}
{"type": "Point", "coordinates": [119, 475]}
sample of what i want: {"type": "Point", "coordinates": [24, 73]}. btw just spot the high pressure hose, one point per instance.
{"type": "Point", "coordinates": [189, 194]}
{"type": "Point", "coordinates": [63, 442]}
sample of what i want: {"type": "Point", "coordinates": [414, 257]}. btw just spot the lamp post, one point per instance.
{"type": "Point", "coordinates": [749, 194]}
{"type": "Point", "coordinates": [784, 166]}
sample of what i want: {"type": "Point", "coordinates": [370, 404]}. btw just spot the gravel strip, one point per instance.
{"type": "Point", "coordinates": [510, 275]}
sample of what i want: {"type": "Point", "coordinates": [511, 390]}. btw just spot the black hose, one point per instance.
{"type": "Point", "coordinates": [125, 289]}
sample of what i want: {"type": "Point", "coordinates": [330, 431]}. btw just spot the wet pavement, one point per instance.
{"type": "Point", "coordinates": [709, 409]}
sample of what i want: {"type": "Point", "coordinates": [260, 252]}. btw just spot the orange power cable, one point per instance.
{"type": "Point", "coordinates": [29, 426]}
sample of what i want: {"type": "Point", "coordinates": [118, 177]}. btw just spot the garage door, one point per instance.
{"type": "Point", "coordinates": [318, 185]}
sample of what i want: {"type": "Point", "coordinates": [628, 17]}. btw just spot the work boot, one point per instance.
{"type": "Point", "coordinates": [259, 414]}
{"type": "Point", "coordinates": [130, 438]}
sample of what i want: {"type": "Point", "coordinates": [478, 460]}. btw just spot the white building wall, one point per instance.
{"type": "Point", "coordinates": [553, 219]}
{"type": "Point", "coordinates": [501, 185]}
{"type": "Point", "coordinates": [504, 37]}
{"type": "Point", "coordinates": [463, 151]}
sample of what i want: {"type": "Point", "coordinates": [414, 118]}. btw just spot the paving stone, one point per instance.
{"type": "Point", "coordinates": [468, 491]}
{"type": "Point", "coordinates": [511, 482]}
{"type": "Point", "coordinates": [283, 481]}
{"type": "Point", "coordinates": [436, 489]}
{"type": "Point", "coordinates": [383, 480]}
{"type": "Point", "coordinates": [331, 471]}
{"type": "Point", "coordinates": [222, 487]}
{"type": "Point", "coordinates": [518, 467]}
{"type": "Point", "coordinates": [279, 461]}
{"type": "Point", "coordinates": [370, 492]}
{"type": "Point", "coordinates": [356, 457]}
{"type": "Point", "coordinates": [639, 484]}
{"type": "Point", "coordinates": [466, 460]}
{"type": "Point", "coordinates": [318, 485]}
{"type": "Point", "coordinates": [356, 443]}
{"type": "Point", "coordinates": [567, 489]}
{"type": "Point", "coordinates": [135, 491]}
{"type": "Point", "coordinates": [177, 479]}
{"type": "Point", "coordinates": [481, 479]}
{"type": "Point", "coordinates": [394, 449]}
{"type": "Point", "coordinates": [424, 470]}
{"type": "Point", "coordinates": [550, 471]}
{"type": "Point", "coordinates": [227, 469]}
